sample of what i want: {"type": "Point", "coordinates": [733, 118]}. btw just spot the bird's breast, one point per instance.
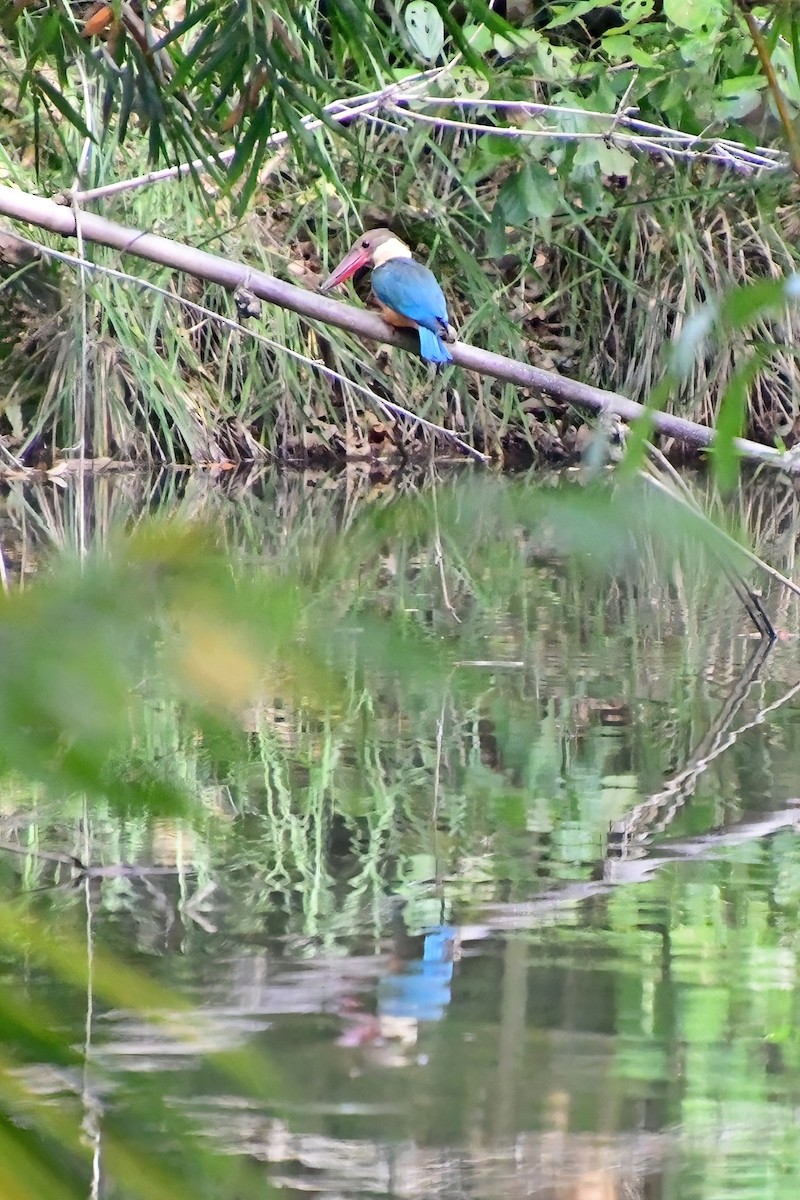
{"type": "Point", "coordinates": [392, 317]}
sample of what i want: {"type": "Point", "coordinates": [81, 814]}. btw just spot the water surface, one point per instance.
{"type": "Point", "coordinates": [513, 912]}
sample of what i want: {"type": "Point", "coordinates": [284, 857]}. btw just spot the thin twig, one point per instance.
{"type": "Point", "coordinates": [727, 537]}
{"type": "Point", "coordinates": [337, 111]}
{"type": "Point", "coordinates": [622, 109]}
{"type": "Point", "coordinates": [681, 493]}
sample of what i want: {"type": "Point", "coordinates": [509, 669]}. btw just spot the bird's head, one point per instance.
{"type": "Point", "coordinates": [373, 248]}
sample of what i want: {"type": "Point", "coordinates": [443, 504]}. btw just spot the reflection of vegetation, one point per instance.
{"type": "Point", "coordinates": [258, 735]}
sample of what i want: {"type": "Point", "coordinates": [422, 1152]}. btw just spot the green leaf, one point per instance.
{"type": "Point", "coordinates": [566, 14]}
{"type": "Point", "coordinates": [496, 147]}
{"type": "Point", "coordinates": [784, 63]}
{"type": "Point", "coordinates": [745, 304]}
{"type": "Point", "coordinates": [617, 45]}
{"type": "Point", "coordinates": [696, 15]}
{"type": "Point", "coordinates": [696, 329]}
{"type": "Point", "coordinates": [739, 96]}
{"type": "Point", "coordinates": [609, 160]}
{"type": "Point", "coordinates": [60, 102]}
{"type": "Point", "coordinates": [202, 12]}
{"type": "Point", "coordinates": [621, 46]}
{"type": "Point", "coordinates": [479, 37]}
{"type": "Point", "coordinates": [794, 36]}
{"type": "Point", "coordinates": [425, 28]}
{"type": "Point", "coordinates": [731, 424]}
{"type": "Point", "coordinates": [496, 240]}
{"type": "Point", "coordinates": [531, 192]}
{"type": "Point", "coordinates": [640, 432]}
{"type": "Point", "coordinates": [637, 10]}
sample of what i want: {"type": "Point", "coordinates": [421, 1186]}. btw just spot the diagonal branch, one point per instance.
{"type": "Point", "coordinates": [229, 274]}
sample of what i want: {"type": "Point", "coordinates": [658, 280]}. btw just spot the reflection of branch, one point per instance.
{"type": "Point", "coordinates": [638, 867]}
{"type": "Point", "coordinates": [630, 871]}
{"type": "Point", "coordinates": [82, 871]}
{"type": "Point", "coordinates": [91, 1125]}
{"type": "Point", "coordinates": [658, 809]}
{"type": "Point", "coordinates": [439, 554]}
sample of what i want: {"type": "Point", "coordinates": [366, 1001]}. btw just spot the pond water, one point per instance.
{"type": "Point", "coordinates": [511, 910]}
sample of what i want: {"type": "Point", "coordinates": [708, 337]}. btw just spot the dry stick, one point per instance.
{"type": "Point", "coordinates": [338, 111]}
{"type": "Point", "coordinates": [229, 274]}
{"type": "Point", "coordinates": [200, 166]}
{"type": "Point", "coordinates": [722, 150]}
{"type": "Point", "coordinates": [656, 137]}
{"type": "Point", "coordinates": [670, 145]}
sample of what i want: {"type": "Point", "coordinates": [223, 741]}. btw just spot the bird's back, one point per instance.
{"type": "Point", "coordinates": [412, 290]}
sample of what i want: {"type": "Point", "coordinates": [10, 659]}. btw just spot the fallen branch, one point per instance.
{"type": "Point", "coordinates": [46, 214]}
{"type": "Point", "coordinates": [622, 127]}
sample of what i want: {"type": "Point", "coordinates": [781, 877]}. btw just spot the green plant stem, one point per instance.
{"type": "Point", "coordinates": [789, 132]}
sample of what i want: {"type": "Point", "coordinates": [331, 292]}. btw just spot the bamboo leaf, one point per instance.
{"type": "Point", "coordinates": [62, 104]}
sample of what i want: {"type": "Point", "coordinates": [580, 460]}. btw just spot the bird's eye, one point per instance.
{"type": "Point", "coordinates": [365, 244]}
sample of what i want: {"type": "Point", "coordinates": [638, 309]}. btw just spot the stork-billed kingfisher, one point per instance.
{"type": "Point", "coordinates": [408, 293]}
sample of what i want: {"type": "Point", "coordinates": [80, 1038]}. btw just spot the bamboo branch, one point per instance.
{"type": "Point", "coordinates": [46, 214]}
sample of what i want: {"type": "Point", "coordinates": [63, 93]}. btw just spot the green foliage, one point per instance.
{"type": "Point", "coordinates": [235, 67]}
{"type": "Point", "coordinates": [741, 309]}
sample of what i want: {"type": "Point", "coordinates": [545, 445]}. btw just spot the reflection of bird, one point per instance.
{"type": "Point", "coordinates": [421, 989]}
{"type": "Point", "coordinates": [408, 293]}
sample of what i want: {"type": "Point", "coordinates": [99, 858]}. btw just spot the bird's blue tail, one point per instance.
{"type": "Point", "coordinates": [432, 347]}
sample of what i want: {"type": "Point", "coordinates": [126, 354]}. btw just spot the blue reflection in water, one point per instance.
{"type": "Point", "coordinates": [420, 990]}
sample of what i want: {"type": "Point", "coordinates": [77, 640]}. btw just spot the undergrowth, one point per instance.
{"type": "Point", "coordinates": [589, 275]}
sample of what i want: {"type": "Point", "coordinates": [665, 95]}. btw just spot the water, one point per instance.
{"type": "Point", "coordinates": [510, 910]}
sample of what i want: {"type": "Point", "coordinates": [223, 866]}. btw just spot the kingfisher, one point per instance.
{"type": "Point", "coordinates": [407, 292]}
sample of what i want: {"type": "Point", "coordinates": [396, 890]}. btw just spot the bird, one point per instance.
{"type": "Point", "coordinates": [408, 292]}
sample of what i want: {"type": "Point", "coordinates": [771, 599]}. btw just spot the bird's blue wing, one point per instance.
{"type": "Point", "coordinates": [411, 290]}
